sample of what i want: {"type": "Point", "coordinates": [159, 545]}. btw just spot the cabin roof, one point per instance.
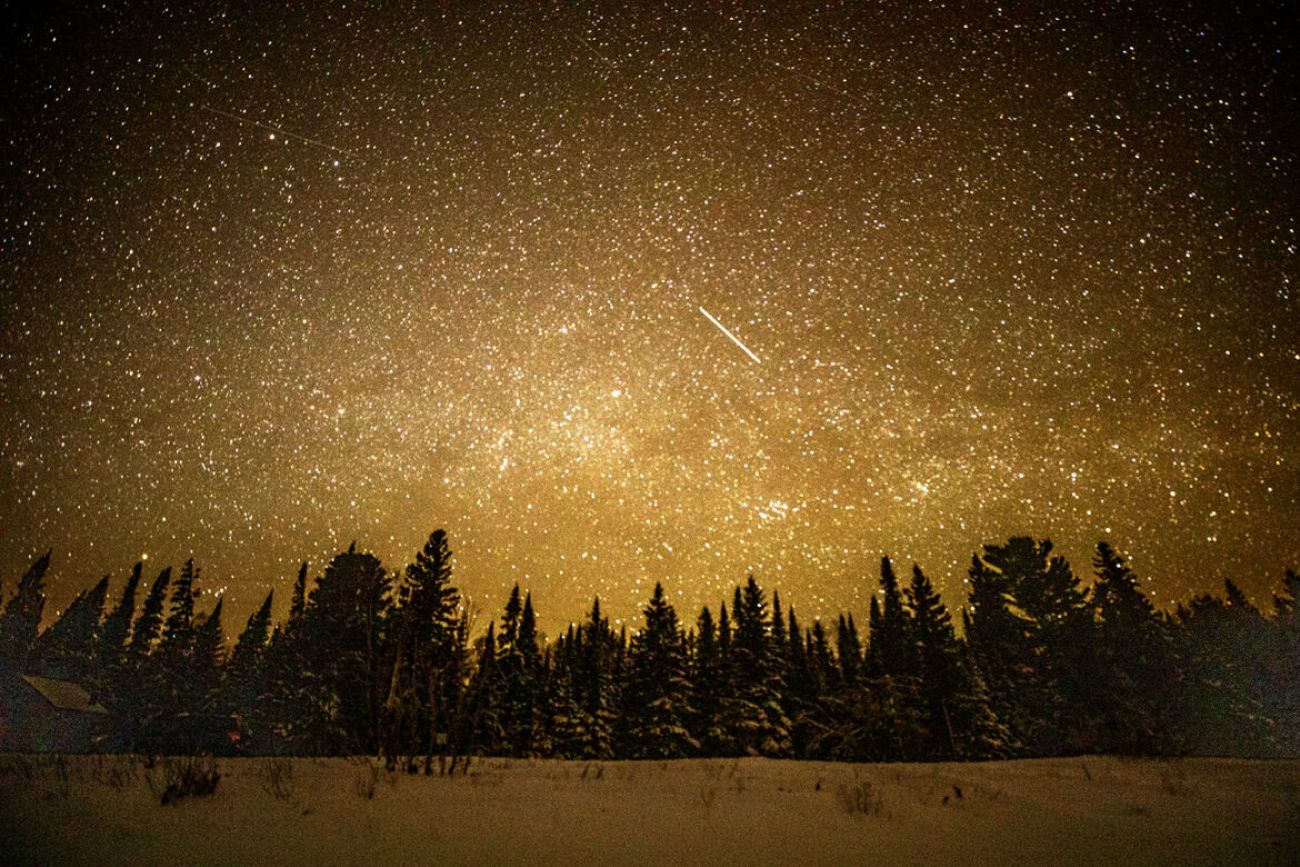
{"type": "Point", "coordinates": [64, 694]}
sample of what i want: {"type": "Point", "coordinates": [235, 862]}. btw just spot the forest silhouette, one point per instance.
{"type": "Point", "coordinates": [377, 662]}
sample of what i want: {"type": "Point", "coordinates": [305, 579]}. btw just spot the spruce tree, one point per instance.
{"type": "Point", "coordinates": [111, 650]}
{"type": "Point", "coordinates": [342, 646]}
{"type": "Point", "coordinates": [298, 603]}
{"type": "Point", "coordinates": [178, 631]}
{"type": "Point", "coordinates": [1030, 630]}
{"type": "Point", "coordinates": [116, 629]}
{"type": "Point", "coordinates": [422, 692]}
{"type": "Point", "coordinates": [246, 681]}
{"type": "Point", "coordinates": [1134, 663]}
{"type": "Point", "coordinates": [148, 627]}
{"type": "Point", "coordinates": [596, 687]}
{"type": "Point", "coordinates": [209, 650]}
{"type": "Point", "coordinates": [658, 692]}
{"type": "Point", "coordinates": [889, 651]}
{"type": "Point", "coordinates": [958, 716]}
{"type": "Point", "coordinates": [753, 711]}
{"type": "Point", "coordinates": [21, 617]}
{"type": "Point", "coordinates": [67, 649]}
{"type": "Point", "coordinates": [709, 683]}
{"type": "Point", "coordinates": [848, 647]}
{"type": "Point", "coordinates": [517, 661]}
{"type": "Point", "coordinates": [1283, 656]}
{"type": "Point", "coordinates": [252, 641]}
{"type": "Point", "coordinates": [564, 725]}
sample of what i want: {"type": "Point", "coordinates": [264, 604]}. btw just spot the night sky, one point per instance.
{"type": "Point", "coordinates": [271, 281]}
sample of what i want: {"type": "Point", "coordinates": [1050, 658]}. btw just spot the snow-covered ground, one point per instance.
{"type": "Point", "coordinates": [1097, 810]}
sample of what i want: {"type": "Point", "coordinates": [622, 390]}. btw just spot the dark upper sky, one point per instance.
{"type": "Point", "coordinates": [272, 281]}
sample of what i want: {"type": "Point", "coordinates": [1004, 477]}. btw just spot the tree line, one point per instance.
{"type": "Point", "coordinates": [377, 662]}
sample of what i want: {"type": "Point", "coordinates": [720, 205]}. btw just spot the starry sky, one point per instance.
{"type": "Point", "coordinates": [277, 278]}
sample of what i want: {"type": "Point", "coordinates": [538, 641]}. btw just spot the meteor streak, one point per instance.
{"type": "Point", "coordinates": [277, 130]}
{"type": "Point", "coordinates": [733, 337]}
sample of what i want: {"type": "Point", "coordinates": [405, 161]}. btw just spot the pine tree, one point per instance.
{"type": "Point", "coordinates": [342, 642]}
{"type": "Point", "coordinates": [486, 733]}
{"type": "Point", "coordinates": [658, 692]}
{"type": "Point", "coordinates": [960, 722]}
{"type": "Point", "coordinates": [117, 626]}
{"type": "Point", "coordinates": [879, 714]}
{"type": "Point", "coordinates": [1284, 665]}
{"type": "Point", "coordinates": [819, 651]}
{"type": "Point", "coordinates": [564, 725]}
{"type": "Point", "coordinates": [178, 632]}
{"type": "Point", "coordinates": [21, 617]}
{"type": "Point", "coordinates": [1224, 707]}
{"type": "Point", "coordinates": [421, 693]}
{"type": "Point", "coordinates": [1030, 631]}
{"type": "Point", "coordinates": [148, 627]}
{"type": "Point", "coordinates": [848, 647]}
{"type": "Point", "coordinates": [753, 712]}
{"type": "Point", "coordinates": [803, 688]}
{"type": "Point", "coordinates": [708, 681]}
{"type": "Point", "coordinates": [595, 686]}
{"type": "Point", "coordinates": [252, 641]}
{"type": "Point", "coordinates": [298, 603]}
{"type": "Point", "coordinates": [209, 650]}
{"type": "Point", "coordinates": [889, 652]}
{"type": "Point", "coordinates": [67, 649]}
{"type": "Point", "coordinates": [1134, 664]}
{"type": "Point", "coordinates": [111, 651]}
{"type": "Point", "coordinates": [246, 680]}
{"type": "Point", "coordinates": [518, 660]}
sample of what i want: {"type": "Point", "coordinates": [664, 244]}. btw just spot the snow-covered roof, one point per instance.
{"type": "Point", "coordinates": [63, 694]}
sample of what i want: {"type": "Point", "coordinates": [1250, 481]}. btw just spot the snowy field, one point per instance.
{"type": "Point", "coordinates": [1099, 810]}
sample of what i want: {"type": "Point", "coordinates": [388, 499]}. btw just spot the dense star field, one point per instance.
{"type": "Point", "coordinates": [273, 281]}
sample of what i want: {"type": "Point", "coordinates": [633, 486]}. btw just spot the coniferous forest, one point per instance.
{"type": "Point", "coordinates": [1045, 662]}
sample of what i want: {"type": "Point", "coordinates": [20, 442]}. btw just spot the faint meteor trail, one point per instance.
{"type": "Point", "coordinates": [733, 337]}
{"type": "Point", "coordinates": [278, 130]}
{"type": "Point", "coordinates": [594, 50]}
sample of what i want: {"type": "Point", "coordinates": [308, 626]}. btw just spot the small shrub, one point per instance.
{"type": "Point", "coordinates": [367, 779]}
{"type": "Point", "coordinates": [860, 798]}
{"type": "Point", "coordinates": [176, 777]}
{"type": "Point", "coordinates": [277, 777]}
{"type": "Point", "coordinates": [116, 772]}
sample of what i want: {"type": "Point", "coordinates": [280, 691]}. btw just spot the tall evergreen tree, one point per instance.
{"type": "Point", "coordinates": [753, 712]}
{"type": "Point", "coordinates": [252, 641]}
{"type": "Point", "coordinates": [889, 652]}
{"type": "Point", "coordinates": [595, 685]}
{"type": "Point", "coordinates": [848, 647]}
{"type": "Point", "coordinates": [178, 631]}
{"type": "Point", "coordinates": [117, 625]}
{"type": "Point", "coordinates": [960, 722]}
{"type": "Point", "coordinates": [343, 639]}
{"type": "Point", "coordinates": [1031, 633]}
{"type": "Point", "coordinates": [709, 684]}
{"type": "Point", "coordinates": [148, 627]}
{"type": "Point", "coordinates": [246, 682]}
{"type": "Point", "coordinates": [1222, 707]}
{"type": "Point", "coordinates": [1134, 671]}
{"type": "Point", "coordinates": [209, 650]}
{"type": "Point", "coordinates": [21, 617]}
{"type": "Point", "coordinates": [423, 690]}
{"type": "Point", "coordinates": [1284, 665]}
{"type": "Point", "coordinates": [518, 661]}
{"type": "Point", "coordinates": [658, 691]}
{"type": "Point", "coordinates": [298, 602]}
{"type": "Point", "coordinates": [67, 649]}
